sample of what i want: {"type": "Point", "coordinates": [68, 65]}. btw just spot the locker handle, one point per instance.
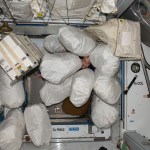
{"type": "Point", "coordinates": [129, 86]}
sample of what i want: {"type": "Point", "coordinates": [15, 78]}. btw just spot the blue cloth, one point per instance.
{"type": "Point", "coordinates": [1, 117]}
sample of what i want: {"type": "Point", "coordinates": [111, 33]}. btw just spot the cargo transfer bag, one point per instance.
{"type": "Point", "coordinates": [123, 37]}
{"type": "Point", "coordinates": [76, 41]}
{"type": "Point", "coordinates": [11, 96]}
{"type": "Point", "coordinates": [55, 93]}
{"type": "Point", "coordinates": [103, 115]}
{"type": "Point", "coordinates": [56, 68]}
{"type": "Point", "coordinates": [38, 124]}
{"type": "Point", "coordinates": [107, 88]}
{"type": "Point", "coordinates": [52, 44]}
{"type": "Point", "coordinates": [81, 88]}
{"type": "Point", "coordinates": [103, 60]}
{"type": "Point", "coordinates": [12, 130]}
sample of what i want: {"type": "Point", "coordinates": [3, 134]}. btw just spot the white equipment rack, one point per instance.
{"type": "Point", "coordinates": [135, 102]}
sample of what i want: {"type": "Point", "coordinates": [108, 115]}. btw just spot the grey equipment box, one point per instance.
{"type": "Point", "coordinates": [136, 142]}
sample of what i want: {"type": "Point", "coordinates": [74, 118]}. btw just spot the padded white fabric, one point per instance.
{"type": "Point", "coordinates": [55, 93]}
{"type": "Point", "coordinates": [11, 96]}
{"type": "Point", "coordinates": [103, 59]}
{"type": "Point", "coordinates": [38, 124]}
{"type": "Point", "coordinates": [56, 68]}
{"type": "Point", "coordinates": [103, 115]}
{"type": "Point", "coordinates": [52, 44]}
{"type": "Point", "coordinates": [12, 130]}
{"type": "Point", "coordinates": [82, 86]}
{"type": "Point", "coordinates": [76, 41]}
{"type": "Point", "coordinates": [107, 88]}
{"type": "Point", "coordinates": [123, 36]}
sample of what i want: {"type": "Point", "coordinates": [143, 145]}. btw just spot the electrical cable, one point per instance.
{"type": "Point", "coordinates": [57, 12]}
{"type": "Point", "coordinates": [50, 13]}
{"type": "Point", "coordinates": [7, 11]}
{"type": "Point", "coordinates": [67, 11]}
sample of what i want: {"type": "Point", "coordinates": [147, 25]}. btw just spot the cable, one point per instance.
{"type": "Point", "coordinates": [139, 10]}
{"type": "Point", "coordinates": [7, 12]}
{"type": "Point", "coordinates": [50, 12]}
{"type": "Point", "coordinates": [5, 4]}
{"type": "Point", "coordinates": [52, 8]}
{"type": "Point", "coordinates": [67, 11]}
{"type": "Point", "coordinates": [57, 12]}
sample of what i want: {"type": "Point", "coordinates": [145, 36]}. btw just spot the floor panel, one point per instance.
{"type": "Point", "coordinates": [72, 146]}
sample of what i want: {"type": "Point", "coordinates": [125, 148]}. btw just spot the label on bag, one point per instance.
{"type": "Point", "coordinates": [126, 39]}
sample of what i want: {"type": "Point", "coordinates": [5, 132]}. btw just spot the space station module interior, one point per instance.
{"type": "Point", "coordinates": [75, 72]}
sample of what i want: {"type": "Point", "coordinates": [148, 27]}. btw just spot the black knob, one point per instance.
{"type": "Point", "coordinates": [103, 148]}
{"type": "Point", "coordinates": [135, 67]}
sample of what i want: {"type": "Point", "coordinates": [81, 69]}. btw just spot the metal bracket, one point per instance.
{"type": "Point", "coordinates": [145, 66]}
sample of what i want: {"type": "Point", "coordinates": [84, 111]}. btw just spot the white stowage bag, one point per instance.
{"type": "Point", "coordinates": [21, 10]}
{"type": "Point", "coordinates": [56, 68]}
{"type": "Point", "coordinates": [103, 60]}
{"type": "Point", "coordinates": [103, 115]}
{"type": "Point", "coordinates": [76, 41]}
{"type": "Point", "coordinates": [52, 94]}
{"type": "Point", "coordinates": [12, 130]}
{"type": "Point", "coordinates": [107, 88]}
{"type": "Point", "coordinates": [123, 36]}
{"type": "Point", "coordinates": [82, 85]}
{"type": "Point", "coordinates": [11, 96]}
{"type": "Point", "coordinates": [38, 124]}
{"type": "Point", "coordinates": [52, 44]}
